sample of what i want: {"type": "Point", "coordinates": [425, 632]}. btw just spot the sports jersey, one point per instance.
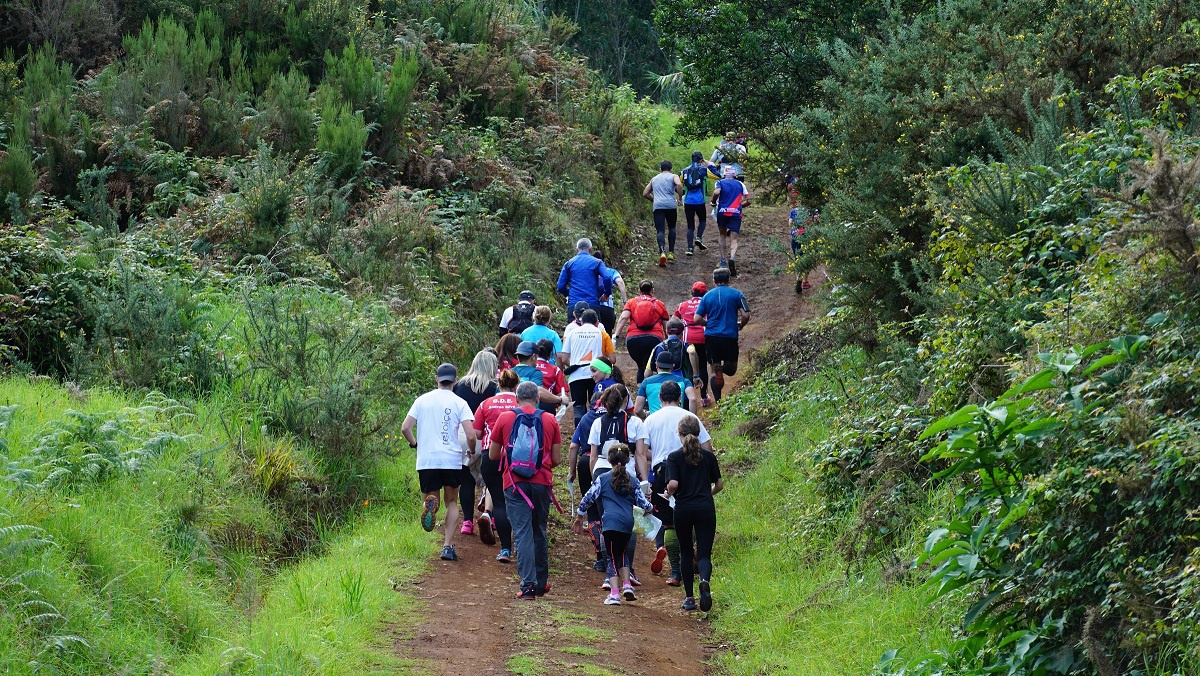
{"type": "Point", "coordinates": [695, 195]}
{"type": "Point", "coordinates": [720, 307]}
{"type": "Point", "coordinates": [693, 334]}
{"type": "Point", "coordinates": [489, 411]}
{"type": "Point", "coordinates": [662, 432]}
{"type": "Point", "coordinates": [733, 192]}
{"type": "Point", "coordinates": [584, 344]}
{"type": "Point", "coordinates": [439, 415]}
{"type": "Point", "coordinates": [539, 331]}
{"type": "Point", "coordinates": [652, 385]}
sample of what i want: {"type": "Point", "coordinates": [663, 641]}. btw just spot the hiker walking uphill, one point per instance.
{"type": "Point", "coordinates": [518, 317]}
{"type": "Point", "coordinates": [729, 197]}
{"type": "Point", "coordinates": [693, 335]}
{"type": "Point", "coordinates": [529, 441]}
{"type": "Point", "coordinates": [541, 328]}
{"type": "Point", "coordinates": [722, 312]}
{"type": "Point", "coordinates": [584, 278]}
{"type": "Point", "coordinates": [617, 495]}
{"type": "Point", "coordinates": [496, 515]}
{"type": "Point", "coordinates": [583, 345]}
{"type": "Point", "coordinates": [437, 415]}
{"type": "Point", "coordinates": [693, 478]}
{"type": "Point", "coordinates": [474, 388]}
{"type": "Point", "coordinates": [646, 317]}
{"type": "Point", "coordinates": [666, 192]}
{"type": "Point", "coordinates": [694, 178]}
{"type": "Point", "coordinates": [607, 309]}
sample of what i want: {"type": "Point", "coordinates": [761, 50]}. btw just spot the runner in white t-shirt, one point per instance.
{"type": "Point", "coordinates": [438, 415]}
{"type": "Point", "coordinates": [662, 436]}
{"type": "Point", "coordinates": [581, 345]}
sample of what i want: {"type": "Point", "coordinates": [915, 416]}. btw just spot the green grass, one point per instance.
{"type": "Point", "coordinates": [129, 575]}
{"type": "Point", "coordinates": [679, 155]}
{"type": "Point", "coordinates": [785, 601]}
{"type": "Point", "coordinates": [580, 650]}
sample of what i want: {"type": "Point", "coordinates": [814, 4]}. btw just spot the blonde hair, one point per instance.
{"type": "Point", "coordinates": [482, 372]}
{"type": "Point", "coordinates": [541, 315]}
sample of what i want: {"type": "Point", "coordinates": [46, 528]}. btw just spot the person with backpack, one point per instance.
{"type": "Point", "coordinates": [693, 335]}
{"type": "Point", "coordinates": [678, 347]}
{"type": "Point", "coordinates": [518, 317]}
{"type": "Point", "coordinates": [485, 421]}
{"type": "Point", "coordinates": [541, 328]}
{"type": "Point", "coordinates": [693, 478]}
{"type": "Point", "coordinates": [617, 426]}
{"type": "Point", "coordinates": [474, 388]}
{"type": "Point", "coordinates": [576, 318]}
{"type": "Point", "coordinates": [729, 197]}
{"type": "Point", "coordinates": [729, 155]}
{"type": "Point", "coordinates": [722, 312]}
{"type": "Point", "coordinates": [584, 278]}
{"type": "Point", "coordinates": [617, 495]}
{"type": "Point", "coordinates": [527, 370]}
{"type": "Point", "coordinates": [695, 185]}
{"type": "Point", "coordinates": [662, 439]}
{"type": "Point", "coordinates": [645, 316]}
{"type": "Point", "coordinates": [529, 442]}
{"type": "Point", "coordinates": [666, 192]}
{"type": "Point", "coordinates": [579, 469]}
{"type": "Point", "coordinates": [581, 347]}
{"type": "Point", "coordinates": [437, 415]}
{"type": "Point", "coordinates": [649, 394]}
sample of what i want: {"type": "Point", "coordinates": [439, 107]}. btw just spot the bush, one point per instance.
{"type": "Point", "coordinates": [17, 175]}
{"type": "Point", "coordinates": [342, 140]}
{"type": "Point", "coordinates": [290, 120]}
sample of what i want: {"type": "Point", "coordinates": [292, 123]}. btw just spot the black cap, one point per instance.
{"type": "Point", "coordinates": [665, 359]}
{"type": "Point", "coordinates": [447, 373]}
{"type": "Point", "coordinates": [526, 295]}
{"type": "Point", "coordinates": [580, 307]}
{"type": "Point", "coordinates": [526, 348]}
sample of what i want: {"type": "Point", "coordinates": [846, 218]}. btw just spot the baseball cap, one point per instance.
{"type": "Point", "coordinates": [526, 295]}
{"type": "Point", "coordinates": [699, 287]}
{"type": "Point", "coordinates": [665, 359]}
{"type": "Point", "coordinates": [580, 307]}
{"type": "Point", "coordinates": [526, 348]}
{"type": "Point", "coordinates": [447, 373]}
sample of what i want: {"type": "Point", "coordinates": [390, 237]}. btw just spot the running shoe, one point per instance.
{"type": "Point", "coordinates": [689, 604]}
{"type": "Point", "coordinates": [627, 592]}
{"type": "Point", "coordinates": [705, 596]}
{"type": "Point", "coordinates": [600, 566]}
{"type": "Point", "coordinates": [732, 268]}
{"type": "Point", "coordinates": [430, 513]}
{"type": "Point", "coordinates": [544, 590]}
{"type": "Point", "coordinates": [671, 257]}
{"type": "Point", "coordinates": [724, 263]}
{"type": "Point", "coordinates": [718, 380]}
{"type": "Point", "coordinates": [706, 402]}
{"type": "Point", "coordinates": [612, 600]}
{"type": "Point", "coordinates": [487, 534]}
{"type": "Point", "coordinates": [448, 553]}
{"type": "Point", "coordinates": [505, 556]}
{"type": "Point", "coordinates": [468, 527]}
{"type": "Point", "coordinates": [691, 252]}
{"type": "Point", "coordinates": [633, 580]}
{"type": "Point", "coordinates": [606, 585]}
{"type": "Point", "coordinates": [673, 581]}
{"type": "Point", "coordinates": [700, 245]}
{"type": "Point", "coordinates": [659, 556]}
{"type": "Point", "coordinates": [662, 260]}
{"type": "Point", "coordinates": [805, 284]}
{"type": "Point", "coordinates": [527, 594]}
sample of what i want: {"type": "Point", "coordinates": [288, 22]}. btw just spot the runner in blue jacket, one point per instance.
{"type": "Point", "coordinates": [585, 277]}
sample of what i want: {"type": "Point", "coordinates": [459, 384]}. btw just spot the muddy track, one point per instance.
{"type": "Point", "coordinates": [474, 625]}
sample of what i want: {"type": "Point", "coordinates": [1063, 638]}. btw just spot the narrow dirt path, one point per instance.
{"type": "Point", "coordinates": [474, 625]}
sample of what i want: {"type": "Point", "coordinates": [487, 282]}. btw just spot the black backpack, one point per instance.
{"type": "Point", "coordinates": [613, 429]}
{"type": "Point", "coordinates": [693, 177]}
{"type": "Point", "coordinates": [675, 346]}
{"type": "Point", "coordinates": [522, 317]}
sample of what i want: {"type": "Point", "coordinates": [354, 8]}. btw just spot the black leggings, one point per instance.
{"type": "Point", "coordinates": [703, 522]}
{"type": "Point", "coordinates": [666, 219]}
{"type": "Point", "coordinates": [616, 542]}
{"type": "Point", "coordinates": [466, 494]}
{"type": "Point", "coordinates": [581, 392]}
{"type": "Point", "coordinates": [607, 316]}
{"type": "Point", "coordinates": [495, 486]}
{"type": "Point", "coordinates": [640, 348]}
{"type": "Point", "coordinates": [695, 212]}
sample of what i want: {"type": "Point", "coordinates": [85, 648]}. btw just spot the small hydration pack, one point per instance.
{"type": "Point", "coordinates": [522, 317]}
{"type": "Point", "coordinates": [645, 314]}
{"type": "Point", "coordinates": [524, 449]}
{"type": "Point", "coordinates": [693, 177]}
{"type": "Point", "coordinates": [675, 347]}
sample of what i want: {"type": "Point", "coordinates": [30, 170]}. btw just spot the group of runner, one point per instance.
{"type": "Point", "coordinates": [488, 442]}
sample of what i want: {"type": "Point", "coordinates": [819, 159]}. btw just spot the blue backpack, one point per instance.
{"type": "Point", "coordinates": [524, 449]}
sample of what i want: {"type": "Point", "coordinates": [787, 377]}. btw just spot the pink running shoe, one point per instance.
{"type": "Point", "coordinates": [468, 527]}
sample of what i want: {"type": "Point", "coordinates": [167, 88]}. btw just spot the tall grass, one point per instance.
{"type": "Point", "coordinates": [787, 600]}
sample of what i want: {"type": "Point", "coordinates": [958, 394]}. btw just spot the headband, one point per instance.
{"type": "Point", "coordinates": [601, 367]}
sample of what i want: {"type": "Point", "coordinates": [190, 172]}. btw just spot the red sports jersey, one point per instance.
{"type": "Point", "coordinates": [694, 333]}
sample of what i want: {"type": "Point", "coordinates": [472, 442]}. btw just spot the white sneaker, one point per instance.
{"type": "Point", "coordinates": [612, 600]}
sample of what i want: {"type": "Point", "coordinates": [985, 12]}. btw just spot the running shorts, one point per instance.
{"type": "Point", "coordinates": [722, 350]}
{"type": "Point", "coordinates": [434, 480]}
{"type": "Point", "coordinates": [729, 223]}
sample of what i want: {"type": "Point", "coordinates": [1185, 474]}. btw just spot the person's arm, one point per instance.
{"type": "Point", "coordinates": [495, 448]}
{"type": "Point", "coordinates": [545, 396]}
{"type": "Point", "coordinates": [679, 191]}
{"type": "Point", "coordinates": [556, 455]}
{"type": "Point", "coordinates": [638, 405]}
{"type": "Point", "coordinates": [690, 393]}
{"type": "Point", "coordinates": [648, 193]}
{"type": "Point", "coordinates": [743, 315]}
{"type": "Point", "coordinates": [622, 322]}
{"type": "Point", "coordinates": [469, 430]}
{"type": "Point", "coordinates": [672, 486]}
{"type": "Point", "coordinates": [564, 278]}
{"type": "Point", "coordinates": [707, 445]}
{"type": "Point", "coordinates": [719, 486]}
{"type": "Point", "coordinates": [607, 347]}
{"type": "Point", "coordinates": [715, 195]}
{"type": "Point", "coordinates": [620, 284]}
{"type": "Point", "coordinates": [564, 360]}
{"type": "Point", "coordinates": [572, 460]}
{"type": "Point", "coordinates": [406, 429]}
{"type": "Point", "coordinates": [592, 457]}
{"type": "Point", "coordinates": [643, 459]}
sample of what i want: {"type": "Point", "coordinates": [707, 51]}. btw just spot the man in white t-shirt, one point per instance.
{"type": "Point", "coordinates": [662, 436]}
{"type": "Point", "coordinates": [581, 345]}
{"type": "Point", "coordinates": [438, 415]}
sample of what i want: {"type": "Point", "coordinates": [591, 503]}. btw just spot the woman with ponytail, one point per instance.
{"type": "Point", "coordinates": [616, 426]}
{"type": "Point", "coordinates": [616, 495]}
{"type": "Point", "coordinates": [693, 478]}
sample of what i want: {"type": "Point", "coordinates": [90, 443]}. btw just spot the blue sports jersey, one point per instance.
{"type": "Point", "coordinates": [719, 307]}
{"type": "Point", "coordinates": [652, 385]}
{"type": "Point", "coordinates": [729, 202]}
{"type": "Point", "coordinates": [696, 195]}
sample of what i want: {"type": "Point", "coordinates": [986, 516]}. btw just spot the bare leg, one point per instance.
{"type": "Point", "coordinates": [733, 237]}
{"type": "Point", "coordinates": [452, 514]}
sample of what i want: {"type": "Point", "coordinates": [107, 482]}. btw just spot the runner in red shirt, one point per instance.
{"type": "Point", "coordinates": [528, 500]}
{"type": "Point", "coordinates": [552, 377]}
{"type": "Point", "coordinates": [693, 334]}
{"type": "Point", "coordinates": [485, 421]}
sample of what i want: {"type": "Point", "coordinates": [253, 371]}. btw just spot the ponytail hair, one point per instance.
{"type": "Point", "coordinates": [689, 434]}
{"type": "Point", "coordinates": [613, 399]}
{"type": "Point", "coordinates": [618, 457]}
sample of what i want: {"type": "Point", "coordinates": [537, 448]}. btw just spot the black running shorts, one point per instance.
{"type": "Point", "coordinates": [722, 351]}
{"type": "Point", "coordinates": [434, 480]}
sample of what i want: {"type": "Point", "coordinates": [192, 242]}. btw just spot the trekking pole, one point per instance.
{"type": "Point", "coordinates": [571, 493]}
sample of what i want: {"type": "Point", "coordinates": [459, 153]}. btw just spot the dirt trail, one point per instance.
{"type": "Point", "coordinates": [474, 625]}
